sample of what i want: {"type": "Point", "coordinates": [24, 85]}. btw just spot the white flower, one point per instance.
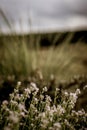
{"type": "Point", "coordinates": [19, 83]}
{"type": "Point", "coordinates": [47, 108]}
{"type": "Point", "coordinates": [48, 98]}
{"type": "Point", "coordinates": [33, 87]}
{"type": "Point", "coordinates": [15, 91]}
{"type": "Point", "coordinates": [66, 94]}
{"type": "Point", "coordinates": [22, 107]}
{"type": "Point", "coordinates": [57, 89]}
{"type": "Point", "coordinates": [5, 102]}
{"type": "Point", "coordinates": [57, 125]}
{"type": "Point", "coordinates": [53, 110]}
{"type": "Point", "coordinates": [33, 108]}
{"type": "Point", "coordinates": [42, 115]}
{"type": "Point", "coordinates": [22, 114]}
{"type": "Point", "coordinates": [35, 100]}
{"type": "Point", "coordinates": [69, 125]}
{"type": "Point", "coordinates": [13, 102]}
{"type": "Point", "coordinates": [11, 95]}
{"type": "Point", "coordinates": [7, 109]}
{"type": "Point", "coordinates": [66, 122]}
{"type": "Point", "coordinates": [44, 124]}
{"type": "Point", "coordinates": [73, 113]}
{"type": "Point", "coordinates": [73, 97]}
{"type": "Point", "coordinates": [60, 109]}
{"type": "Point", "coordinates": [17, 97]}
{"type": "Point", "coordinates": [41, 97]}
{"type": "Point", "coordinates": [81, 112]}
{"type": "Point", "coordinates": [27, 91]}
{"type": "Point", "coordinates": [32, 124]}
{"type": "Point", "coordinates": [13, 117]}
{"type": "Point", "coordinates": [78, 91]}
{"type": "Point", "coordinates": [85, 87]}
{"type": "Point", "coordinates": [45, 89]}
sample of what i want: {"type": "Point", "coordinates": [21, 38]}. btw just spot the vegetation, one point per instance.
{"type": "Point", "coordinates": [63, 61]}
{"type": "Point", "coordinates": [35, 110]}
{"type": "Point", "coordinates": [42, 87]}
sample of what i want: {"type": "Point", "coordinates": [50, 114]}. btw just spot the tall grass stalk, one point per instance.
{"type": "Point", "coordinates": [17, 57]}
{"type": "Point", "coordinates": [20, 58]}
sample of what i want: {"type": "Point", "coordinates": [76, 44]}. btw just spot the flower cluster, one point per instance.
{"type": "Point", "coordinates": [34, 109]}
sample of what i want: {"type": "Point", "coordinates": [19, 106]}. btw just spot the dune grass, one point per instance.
{"type": "Point", "coordinates": [19, 58]}
{"type": "Point", "coordinates": [63, 61]}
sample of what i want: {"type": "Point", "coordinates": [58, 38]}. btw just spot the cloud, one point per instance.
{"type": "Point", "coordinates": [46, 13]}
{"type": "Point", "coordinates": [45, 7]}
{"type": "Point", "coordinates": [77, 6]}
{"type": "Point", "coordinates": [59, 8]}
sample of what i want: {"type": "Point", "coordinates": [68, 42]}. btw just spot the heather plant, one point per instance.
{"type": "Point", "coordinates": [34, 109]}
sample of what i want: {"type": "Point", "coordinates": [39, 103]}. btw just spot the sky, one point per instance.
{"type": "Point", "coordinates": [43, 15]}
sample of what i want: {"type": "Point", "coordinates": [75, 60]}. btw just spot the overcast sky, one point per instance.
{"type": "Point", "coordinates": [44, 14]}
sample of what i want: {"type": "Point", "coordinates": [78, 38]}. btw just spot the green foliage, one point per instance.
{"type": "Point", "coordinates": [19, 58]}
{"type": "Point", "coordinates": [35, 110]}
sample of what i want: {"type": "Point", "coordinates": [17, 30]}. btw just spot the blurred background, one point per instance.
{"type": "Point", "coordinates": [44, 40]}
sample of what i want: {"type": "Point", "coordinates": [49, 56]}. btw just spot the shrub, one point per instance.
{"type": "Point", "coordinates": [33, 109]}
